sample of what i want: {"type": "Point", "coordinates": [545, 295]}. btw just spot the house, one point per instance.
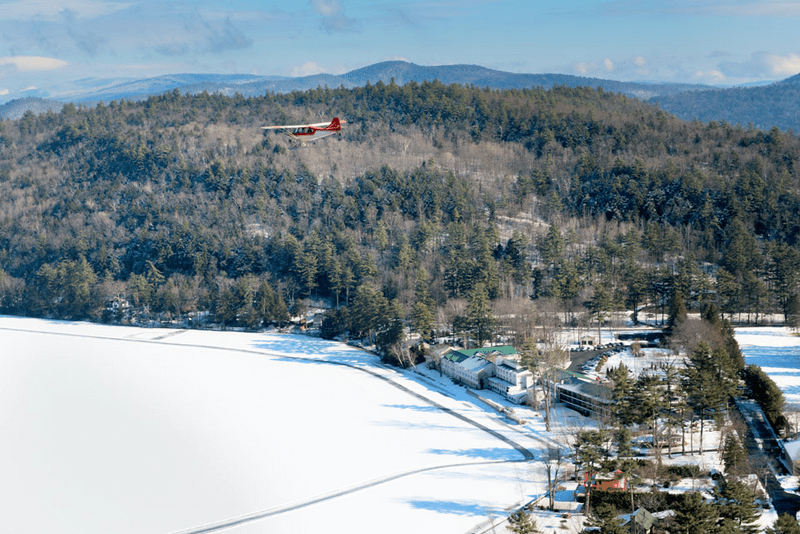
{"type": "Point", "coordinates": [639, 521]}
{"type": "Point", "coordinates": [601, 481]}
{"type": "Point", "coordinates": [614, 481]}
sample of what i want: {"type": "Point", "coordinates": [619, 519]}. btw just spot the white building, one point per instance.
{"type": "Point", "coordinates": [470, 370]}
{"type": "Point", "coordinates": [495, 368]}
{"type": "Point", "coordinates": [511, 379]}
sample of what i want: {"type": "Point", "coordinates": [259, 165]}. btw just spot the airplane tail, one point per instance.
{"type": "Point", "coordinates": [335, 124]}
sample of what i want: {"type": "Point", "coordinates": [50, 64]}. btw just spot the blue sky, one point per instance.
{"type": "Point", "coordinates": [47, 42]}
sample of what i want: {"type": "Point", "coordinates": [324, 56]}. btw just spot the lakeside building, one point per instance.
{"type": "Point", "coordinates": [582, 394]}
{"type": "Point", "coordinates": [494, 368]}
{"type": "Point", "coordinates": [499, 369]}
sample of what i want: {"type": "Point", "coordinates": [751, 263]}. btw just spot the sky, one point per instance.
{"type": "Point", "coordinates": [44, 43]}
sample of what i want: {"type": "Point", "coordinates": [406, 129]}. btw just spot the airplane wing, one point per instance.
{"type": "Point", "coordinates": [293, 126]}
{"type": "Point", "coordinates": [301, 133]}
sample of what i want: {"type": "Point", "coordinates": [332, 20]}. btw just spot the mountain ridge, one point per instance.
{"type": "Point", "coordinates": [763, 106]}
{"type": "Point", "coordinates": [88, 91]}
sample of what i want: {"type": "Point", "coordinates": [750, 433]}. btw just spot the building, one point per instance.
{"type": "Point", "coordinates": [614, 481]}
{"type": "Point", "coordinates": [792, 456]}
{"type": "Point", "coordinates": [472, 370]}
{"type": "Point", "coordinates": [495, 368]}
{"type": "Point", "coordinates": [582, 394]}
{"type": "Point", "coordinates": [511, 379]}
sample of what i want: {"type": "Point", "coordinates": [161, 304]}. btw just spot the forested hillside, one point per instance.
{"type": "Point", "coordinates": [439, 206]}
{"type": "Point", "coordinates": [763, 107]}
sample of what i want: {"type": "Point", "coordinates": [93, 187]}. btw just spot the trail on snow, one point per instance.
{"type": "Point", "coordinates": [527, 455]}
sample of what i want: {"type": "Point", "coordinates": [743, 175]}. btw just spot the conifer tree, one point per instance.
{"type": "Point", "coordinates": [599, 306]}
{"type": "Point", "coordinates": [520, 522]}
{"type": "Point", "coordinates": [785, 524]}
{"type": "Point", "coordinates": [706, 394]}
{"type": "Point", "coordinates": [693, 515]}
{"type": "Point", "coordinates": [737, 502]}
{"type": "Point", "coordinates": [480, 320]}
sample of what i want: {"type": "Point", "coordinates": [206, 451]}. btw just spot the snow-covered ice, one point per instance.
{"type": "Point", "coordinates": [777, 352]}
{"type": "Point", "coordinates": [118, 429]}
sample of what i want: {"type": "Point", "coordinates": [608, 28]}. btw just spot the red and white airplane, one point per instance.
{"type": "Point", "coordinates": [302, 133]}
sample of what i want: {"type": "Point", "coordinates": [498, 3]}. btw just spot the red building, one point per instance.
{"type": "Point", "coordinates": [610, 481]}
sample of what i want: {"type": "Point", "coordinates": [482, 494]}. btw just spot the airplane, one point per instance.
{"type": "Point", "coordinates": [302, 133]}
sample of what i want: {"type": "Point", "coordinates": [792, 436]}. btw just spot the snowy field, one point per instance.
{"type": "Point", "coordinates": [130, 430]}
{"type": "Point", "coordinates": [777, 352]}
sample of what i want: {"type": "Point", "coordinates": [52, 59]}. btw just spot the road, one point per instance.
{"type": "Point", "coordinates": [764, 448]}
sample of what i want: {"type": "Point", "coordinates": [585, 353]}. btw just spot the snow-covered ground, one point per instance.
{"type": "Point", "coordinates": [119, 429]}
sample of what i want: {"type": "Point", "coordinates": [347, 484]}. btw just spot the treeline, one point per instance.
{"type": "Point", "coordinates": [177, 208]}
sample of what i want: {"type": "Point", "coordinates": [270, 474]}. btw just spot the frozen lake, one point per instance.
{"type": "Point", "coordinates": [777, 352]}
{"type": "Point", "coordinates": [129, 430]}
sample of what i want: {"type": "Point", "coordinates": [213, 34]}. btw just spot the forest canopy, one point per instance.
{"type": "Point", "coordinates": [436, 200]}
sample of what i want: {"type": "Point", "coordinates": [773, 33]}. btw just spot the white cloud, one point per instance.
{"type": "Point", "coordinates": [585, 67]}
{"type": "Point", "coordinates": [639, 61]}
{"type": "Point", "coordinates": [27, 9]}
{"type": "Point", "coordinates": [761, 8]}
{"type": "Point", "coordinates": [306, 69]}
{"type": "Point", "coordinates": [4, 92]}
{"type": "Point", "coordinates": [784, 65]}
{"type": "Point", "coordinates": [333, 17]}
{"type": "Point", "coordinates": [762, 65]}
{"type": "Point", "coordinates": [709, 76]}
{"type": "Point", "coordinates": [33, 63]}
{"type": "Point", "coordinates": [608, 64]}
{"type": "Point", "coordinates": [326, 8]}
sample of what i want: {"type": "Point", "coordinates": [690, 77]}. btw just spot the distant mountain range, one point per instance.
{"type": "Point", "coordinates": [763, 106]}
{"type": "Point", "coordinates": [777, 104]}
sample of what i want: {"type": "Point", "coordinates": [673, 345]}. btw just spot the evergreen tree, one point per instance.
{"type": "Point", "coordinates": [677, 309]}
{"type": "Point", "coordinates": [734, 455]}
{"type": "Point", "coordinates": [553, 246]}
{"type": "Point", "coordinates": [737, 502]}
{"type": "Point", "coordinates": [479, 318]}
{"type": "Point", "coordinates": [706, 393]}
{"type": "Point", "coordinates": [622, 395]}
{"type": "Point", "coordinates": [636, 283]}
{"type": "Point", "coordinates": [520, 522]}
{"type": "Point", "coordinates": [728, 291]}
{"type": "Point", "coordinates": [587, 455]}
{"type": "Point", "coordinates": [599, 307]}
{"type": "Point", "coordinates": [694, 515]}
{"type": "Point", "coordinates": [368, 312]}
{"type": "Point", "coordinates": [516, 256]}
{"type": "Point", "coordinates": [766, 392]}
{"type": "Point", "coordinates": [785, 524]}
{"type": "Point", "coordinates": [793, 312]}
{"type": "Point", "coordinates": [389, 333]}
{"type": "Point", "coordinates": [422, 313]}
{"type": "Point", "coordinates": [647, 402]}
